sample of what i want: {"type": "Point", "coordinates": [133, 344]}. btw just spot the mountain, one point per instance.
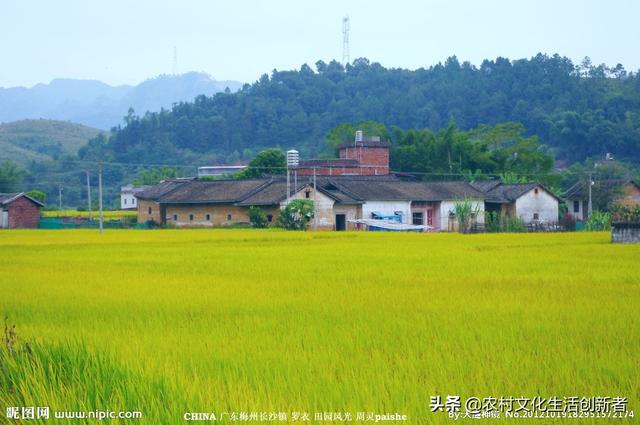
{"type": "Point", "coordinates": [39, 140]}
{"type": "Point", "coordinates": [96, 104]}
{"type": "Point", "coordinates": [577, 111]}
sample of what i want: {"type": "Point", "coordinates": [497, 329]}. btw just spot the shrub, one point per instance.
{"type": "Point", "coordinates": [465, 213]}
{"type": "Point", "coordinates": [492, 221]}
{"type": "Point", "coordinates": [513, 225]}
{"type": "Point", "coordinates": [598, 221]}
{"type": "Point", "coordinates": [258, 218]}
{"type": "Point", "coordinates": [297, 214]}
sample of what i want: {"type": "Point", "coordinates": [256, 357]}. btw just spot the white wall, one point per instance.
{"type": "Point", "coordinates": [128, 201]}
{"type": "Point", "coordinates": [324, 205]}
{"type": "Point", "coordinates": [542, 203]}
{"type": "Point", "coordinates": [388, 207]}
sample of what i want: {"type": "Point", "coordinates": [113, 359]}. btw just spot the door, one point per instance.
{"type": "Point", "coordinates": [341, 222]}
{"type": "Point", "coordinates": [430, 217]}
{"type": "Point", "coordinates": [5, 220]}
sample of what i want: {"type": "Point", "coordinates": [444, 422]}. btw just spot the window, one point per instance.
{"type": "Point", "coordinates": [418, 218]}
{"type": "Point", "coordinates": [228, 217]}
{"type": "Point", "coordinates": [190, 217]}
{"type": "Point", "coordinates": [125, 201]}
{"type": "Point", "coordinates": [535, 190]}
{"type": "Point", "coordinates": [149, 210]}
{"type": "Point", "coordinates": [536, 216]}
{"type": "Point", "coordinates": [270, 218]}
{"type": "Point", "coordinates": [307, 194]}
{"type": "Point", "coordinates": [576, 206]}
{"type": "Point", "coordinates": [175, 217]}
{"type": "Point", "coordinates": [207, 217]}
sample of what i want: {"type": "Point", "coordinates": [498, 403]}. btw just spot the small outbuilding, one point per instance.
{"type": "Point", "coordinates": [19, 211]}
{"type": "Point", "coordinates": [533, 203]}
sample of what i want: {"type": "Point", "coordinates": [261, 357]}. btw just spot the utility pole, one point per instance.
{"type": "Point", "coordinates": [315, 203]}
{"type": "Point", "coordinates": [288, 184]}
{"type": "Point", "coordinates": [590, 205]}
{"type": "Point", "coordinates": [88, 194]}
{"type": "Point", "coordinates": [59, 197]}
{"type": "Point", "coordinates": [100, 195]}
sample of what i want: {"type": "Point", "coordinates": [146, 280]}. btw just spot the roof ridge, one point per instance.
{"type": "Point", "coordinates": [256, 190]}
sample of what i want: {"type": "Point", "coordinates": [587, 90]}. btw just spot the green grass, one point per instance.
{"type": "Point", "coordinates": [210, 320]}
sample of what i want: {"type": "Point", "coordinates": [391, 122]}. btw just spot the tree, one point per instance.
{"type": "Point", "coordinates": [269, 161]}
{"type": "Point", "coordinates": [154, 176]}
{"type": "Point", "coordinates": [37, 195]}
{"type": "Point", "coordinates": [11, 177]}
{"type": "Point", "coordinates": [347, 132]}
{"type": "Point", "coordinates": [297, 214]}
{"type": "Point", "coordinates": [257, 218]}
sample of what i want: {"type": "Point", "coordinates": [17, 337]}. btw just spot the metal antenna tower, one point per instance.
{"type": "Point", "coordinates": [345, 40]}
{"type": "Point", "coordinates": [175, 60]}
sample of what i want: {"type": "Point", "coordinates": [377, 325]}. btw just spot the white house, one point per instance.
{"type": "Point", "coordinates": [128, 194]}
{"type": "Point", "coordinates": [531, 202]}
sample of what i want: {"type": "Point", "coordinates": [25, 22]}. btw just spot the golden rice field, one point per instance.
{"type": "Point", "coordinates": [173, 321]}
{"type": "Point", "coordinates": [117, 214]}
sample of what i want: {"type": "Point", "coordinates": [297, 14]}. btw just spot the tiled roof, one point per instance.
{"type": "Point", "coordinates": [155, 192]}
{"type": "Point", "coordinates": [348, 163]}
{"type": "Point", "coordinates": [216, 191]}
{"type": "Point", "coordinates": [7, 198]}
{"type": "Point", "coordinates": [343, 189]}
{"type": "Point", "coordinates": [365, 143]}
{"type": "Point", "coordinates": [506, 193]}
{"type": "Point", "coordinates": [388, 190]}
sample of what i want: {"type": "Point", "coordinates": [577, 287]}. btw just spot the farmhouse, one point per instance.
{"type": "Point", "coordinates": [531, 202]}
{"type": "Point", "coordinates": [339, 200]}
{"type": "Point", "coordinates": [128, 193]}
{"type": "Point", "coordinates": [624, 193]}
{"type": "Point", "coordinates": [19, 210]}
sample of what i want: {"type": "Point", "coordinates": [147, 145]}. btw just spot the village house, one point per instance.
{"type": "Point", "coordinates": [356, 186]}
{"type": "Point", "coordinates": [128, 200]}
{"type": "Point", "coordinates": [623, 193]}
{"type": "Point", "coordinates": [531, 202]}
{"type": "Point", "coordinates": [19, 211]}
{"type": "Point", "coordinates": [339, 200]}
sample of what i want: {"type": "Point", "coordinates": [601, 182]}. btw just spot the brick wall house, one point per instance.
{"type": "Point", "coordinates": [19, 211]}
{"type": "Point", "coordinates": [368, 156]}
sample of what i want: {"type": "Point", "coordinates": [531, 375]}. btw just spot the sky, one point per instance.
{"type": "Point", "coordinates": [126, 42]}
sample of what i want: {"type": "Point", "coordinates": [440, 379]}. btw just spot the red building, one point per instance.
{"type": "Point", "coordinates": [365, 156]}
{"type": "Point", "coordinates": [19, 210]}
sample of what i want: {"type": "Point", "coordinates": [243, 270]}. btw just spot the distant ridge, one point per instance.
{"type": "Point", "coordinates": [96, 104]}
{"type": "Point", "coordinates": [39, 140]}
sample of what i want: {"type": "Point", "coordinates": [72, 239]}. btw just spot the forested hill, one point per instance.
{"type": "Point", "coordinates": [578, 110]}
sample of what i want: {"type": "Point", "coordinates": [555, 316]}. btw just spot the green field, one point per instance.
{"type": "Point", "coordinates": [174, 321]}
